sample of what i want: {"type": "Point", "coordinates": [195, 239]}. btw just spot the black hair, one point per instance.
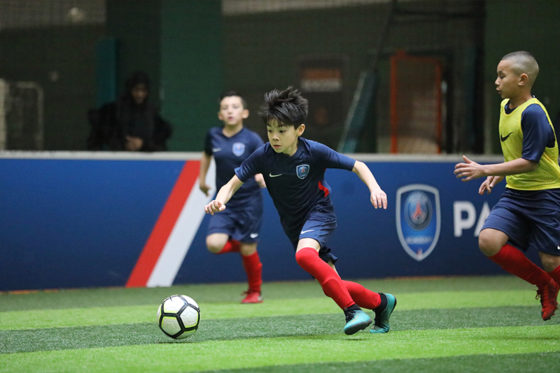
{"type": "Point", "coordinates": [134, 79]}
{"type": "Point", "coordinates": [138, 77]}
{"type": "Point", "coordinates": [231, 93]}
{"type": "Point", "coordinates": [288, 107]}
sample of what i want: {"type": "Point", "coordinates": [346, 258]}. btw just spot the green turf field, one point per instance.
{"type": "Point", "coordinates": [458, 324]}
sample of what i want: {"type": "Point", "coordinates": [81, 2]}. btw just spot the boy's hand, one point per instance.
{"type": "Point", "coordinates": [133, 143]}
{"type": "Point", "coordinates": [468, 170]}
{"type": "Point", "coordinates": [204, 188]}
{"type": "Point", "coordinates": [260, 180]}
{"type": "Point", "coordinates": [214, 207]}
{"type": "Point", "coordinates": [378, 199]}
{"type": "Point", "coordinates": [488, 184]}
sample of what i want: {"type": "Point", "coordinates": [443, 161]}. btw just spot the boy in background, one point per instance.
{"type": "Point", "coordinates": [237, 229]}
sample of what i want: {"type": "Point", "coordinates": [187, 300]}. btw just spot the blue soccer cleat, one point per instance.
{"type": "Point", "coordinates": [356, 320]}
{"type": "Point", "coordinates": [381, 324]}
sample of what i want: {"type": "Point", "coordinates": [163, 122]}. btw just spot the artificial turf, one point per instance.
{"type": "Point", "coordinates": [458, 324]}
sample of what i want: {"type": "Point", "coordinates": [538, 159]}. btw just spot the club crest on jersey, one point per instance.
{"type": "Point", "coordinates": [418, 219]}
{"type": "Point", "coordinates": [302, 170]}
{"type": "Point", "coordinates": [238, 148]}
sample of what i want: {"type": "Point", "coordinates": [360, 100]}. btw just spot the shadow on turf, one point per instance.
{"type": "Point", "coordinates": [306, 326]}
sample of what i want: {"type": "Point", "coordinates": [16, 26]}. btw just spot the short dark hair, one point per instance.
{"type": "Point", "coordinates": [524, 62]}
{"type": "Point", "coordinates": [231, 93]}
{"type": "Point", "coordinates": [288, 107]}
{"type": "Point", "coordinates": [136, 78]}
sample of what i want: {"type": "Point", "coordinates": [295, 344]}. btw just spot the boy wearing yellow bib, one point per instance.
{"type": "Point", "coordinates": [527, 216]}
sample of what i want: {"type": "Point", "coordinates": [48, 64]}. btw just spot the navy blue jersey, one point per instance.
{"type": "Point", "coordinates": [229, 152]}
{"type": "Point", "coordinates": [296, 184]}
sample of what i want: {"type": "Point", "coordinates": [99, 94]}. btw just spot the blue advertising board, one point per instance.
{"type": "Point", "coordinates": [82, 220]}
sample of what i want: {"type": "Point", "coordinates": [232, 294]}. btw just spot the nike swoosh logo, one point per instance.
{"type": "Point", "coordinates": [504, 138]}
{"type": "Point", "coordinates": [254, 235]}
{"type": "Point", "coordinates": [214, 150]}
{"type": "Point", "coordinates": [274, 175]}
{"type": "Point", "coordinates": [307, 231]}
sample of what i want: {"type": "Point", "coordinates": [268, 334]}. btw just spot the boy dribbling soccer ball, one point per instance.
{"type": "Point", "coordinates": [293, 168]}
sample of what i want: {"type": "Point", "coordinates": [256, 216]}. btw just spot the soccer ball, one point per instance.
{"type": "Point", "coordinates": [178, 316]}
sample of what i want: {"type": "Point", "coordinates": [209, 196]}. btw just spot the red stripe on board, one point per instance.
{"type": "Point", "coordinates": [164, 225]}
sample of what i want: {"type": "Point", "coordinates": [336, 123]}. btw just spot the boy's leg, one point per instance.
{"type": "Point", "coordinates": [551, 264]}
{"type": "Point", "coordinates": [555, 274]}
{"type": "Point", "coordinates": [220, 228]}
{"type": "Point", "coordinates": [549, 231]}
{"type": "Point", "coordinates": [220, 243]}
{"type": "Point", "coordinates": [382, 304]}
{"type": "Point", "coordinates": [231, 246]}
{"type": "Point", "coordinates": [363, 297]}
{"type": "Point", "coordinates": [308, 258]}
{"type": "Point", "coordinates": [515, 262]}
{"type": "Point", "coordinates": [253, 268]}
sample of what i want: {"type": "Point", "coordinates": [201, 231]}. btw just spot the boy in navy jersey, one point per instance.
{"type": "Point", "coordinates": [237, 229]}
{"type": "Point", "coordinates": [527, 216]}
{"type": "Point", "coordinates": [294, 168]}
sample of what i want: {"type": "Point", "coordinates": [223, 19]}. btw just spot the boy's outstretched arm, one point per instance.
{"type": "Point", "coordinates": [469, 169]}
{"type": "Point", "coordinates": [495, 173]}
{"type": "Point", "coordinates": [204, 166]}
{"type": "Point", "coordinates": [377, 197]}
{"type": "Point", "coordinates": [224, 195]}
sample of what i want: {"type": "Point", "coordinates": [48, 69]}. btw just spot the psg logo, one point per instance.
{"type": "Point", "coordinates": [302, 171]}
{"type": "Point", "coordinates": [418, 210]}
{"type": "Point", "coordinates": [418, 219]}
{"type": "Point", "coordinates": [238, 149]}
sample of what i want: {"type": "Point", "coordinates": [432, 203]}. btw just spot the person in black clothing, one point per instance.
{"type": "Point", "coordinates": [131, 123]}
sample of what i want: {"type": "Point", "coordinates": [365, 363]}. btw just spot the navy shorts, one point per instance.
{"type": "Point", "coordinates": [319, 226]}
{"type": "Point", "coordinates": [530, 219]}
{"type": "Point", "coordinates": [241, 222]}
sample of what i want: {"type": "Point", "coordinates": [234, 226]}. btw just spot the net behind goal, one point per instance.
{"type": "Point", "coordinates": [416, 104]}
{"type": "Point", "coordinates": [21, 116]}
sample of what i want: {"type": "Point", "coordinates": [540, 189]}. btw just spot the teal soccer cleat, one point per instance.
{"type": "Point", "coordinates": [356, 320]}
{"type": "Point", "coordinates": [382, 317]}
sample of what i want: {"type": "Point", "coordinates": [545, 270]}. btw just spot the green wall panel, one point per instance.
{"type": "Point", "coordinates": [522, 25]}
{"type": "Point", "coordinates": [191, 69]}
{"type": "Point", "coordinates": [136, 26]}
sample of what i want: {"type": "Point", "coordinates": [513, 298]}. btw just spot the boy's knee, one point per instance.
{"type": "Point", "coordinates": [214, 245]}
{"type": "Point", "coordinates": [247, 250]}
{"type": "Point", "coordinates": [550, 262]}
{"type": "Point", "coordinates": [214, 249]}
{"type": "Point", "coordinates": [487, 242]}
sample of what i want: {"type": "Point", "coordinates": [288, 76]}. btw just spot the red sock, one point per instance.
{"type": "Point", "coordinates": [363, 297]}
{"type": "Point", "coordinates": [253, 267]}
{"type": "Point", "coordinates": [555, 274]}
{"type": "Point", "coordinates": [515, 262]}
{"type": "Point", "coordinates": [231, 246]}
{"type": "Point", "coordinates": [308, 258]}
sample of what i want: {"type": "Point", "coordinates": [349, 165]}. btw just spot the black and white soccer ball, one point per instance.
{"type": "Point", "coordinates": [178, 316]}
